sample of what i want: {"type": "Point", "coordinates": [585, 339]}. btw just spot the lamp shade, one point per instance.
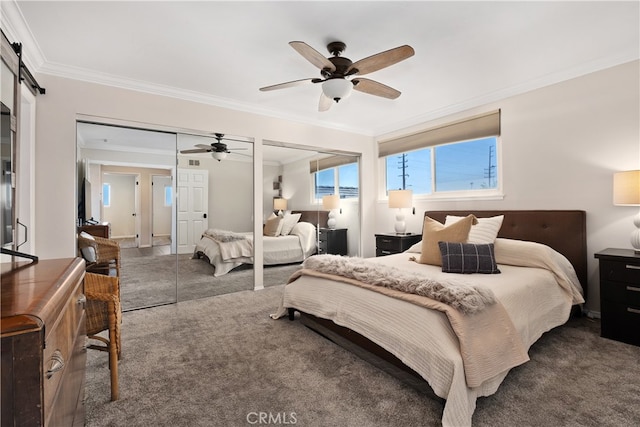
{"type": "Point", "coordinates": [337, 88]}
{"type": "Point", "coordinates": [626, 188]}
{"type": "Point", "coordinates": [400, 198]}
{"type": "Point", "coordinates": [279, 204]}
{"type": "Point", "coordinates": [331, 202]}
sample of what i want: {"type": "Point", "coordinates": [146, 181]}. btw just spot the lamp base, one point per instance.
{"type": "Point", "coordinates": [635, 234]}
{"type": "Point", "coordinates": [331, 222]}
{"type": "Point", "coordinates": [400, 225]}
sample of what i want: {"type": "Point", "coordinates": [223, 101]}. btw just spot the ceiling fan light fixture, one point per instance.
{"type": "Point", "coordinates": [219, 155]}
{"type": "Point", "coordinates": [337, 88]}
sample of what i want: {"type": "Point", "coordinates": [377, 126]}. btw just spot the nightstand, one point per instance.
{"type": "Point", "coordinates": [332, 241]}
{"type": "Point", "coordinates": [620, 295]}
{"type": "Point", "coordinates": [391, 243]}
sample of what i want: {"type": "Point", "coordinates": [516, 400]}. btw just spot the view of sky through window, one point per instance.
{"type": "Point", "coordinates": [469, 165]}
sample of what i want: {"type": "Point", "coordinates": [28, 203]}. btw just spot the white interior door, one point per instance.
{"type": "Point", "coordinates": [193, 202]}
{"type": "Point", "coordinates": [121, 210]}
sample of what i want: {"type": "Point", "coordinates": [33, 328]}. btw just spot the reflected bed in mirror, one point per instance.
{"type": "Point", "coordinates": [286, 240]}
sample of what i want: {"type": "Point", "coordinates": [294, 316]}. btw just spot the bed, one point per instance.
{"type": "Point", "coordinates": [226, 250]}
{"type": "Point", "coordinates": [421, 343]}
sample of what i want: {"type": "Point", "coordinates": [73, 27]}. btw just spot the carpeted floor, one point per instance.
{"type": "Point", "coordinates": [148, 278]}
{"type": "Point", "coordinates": [221, 361]}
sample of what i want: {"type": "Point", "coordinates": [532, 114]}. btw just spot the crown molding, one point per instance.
{"type": "Point", "coordinates": [17, 30]}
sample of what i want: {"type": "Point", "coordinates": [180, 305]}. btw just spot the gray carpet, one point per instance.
{"type": "Point", "coordinates": [148, 279]}
{"type": "Point", "coordinates": [217, 361]}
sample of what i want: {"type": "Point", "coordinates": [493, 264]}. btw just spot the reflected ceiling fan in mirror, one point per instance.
{"type": "Point", "coordinates": [218, 149]}
{"type": "Point", "coordinates": [337, 70]}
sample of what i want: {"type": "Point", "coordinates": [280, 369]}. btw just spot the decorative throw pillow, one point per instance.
{"type": "Point", "coordinates": [288, 221]}
{"type": "Point", "coordinates": [86, 244]}
{"type": "Point", "coordinates": [273, 226]}
{"type": "Point", "coordinates": [434, 232]}
{"type": "Point", "coordinates": [485, 231]}
{"type": "Point", "coordinates": [468, 258]}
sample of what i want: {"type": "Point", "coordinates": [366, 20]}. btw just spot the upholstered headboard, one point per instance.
{"type": "Point", "coordinates": [317, 218]}
{"type": "Point", "coordinates": [563, 230]}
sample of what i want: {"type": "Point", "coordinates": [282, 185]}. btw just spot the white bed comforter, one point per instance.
{"type": "Point", "coordinates": [295, 247]}
{"type": "Point", "coordinates": [537, 293]}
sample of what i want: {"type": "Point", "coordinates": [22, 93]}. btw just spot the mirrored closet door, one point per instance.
{"type": "Point", "coordinates": [125, 194]}
{"type": "Point", "coordinates": [214, 215]}
{"type": "Point", "coordinates": [297, 179]}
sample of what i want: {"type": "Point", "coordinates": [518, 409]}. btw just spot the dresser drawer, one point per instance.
{"type": "Point", "coordinates": [620, 272]}
{"type": "Point", "coordinates": [59, 344]}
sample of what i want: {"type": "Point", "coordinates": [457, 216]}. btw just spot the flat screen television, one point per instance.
{"type": "Point", "coordinates": [85, 215]}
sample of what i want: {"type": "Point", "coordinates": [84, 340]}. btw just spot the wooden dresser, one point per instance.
{"type": "Point", "coordinates": [43, 343]}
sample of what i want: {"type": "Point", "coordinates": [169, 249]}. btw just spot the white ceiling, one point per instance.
{"type": "Point", "coordinates": [466, 53]}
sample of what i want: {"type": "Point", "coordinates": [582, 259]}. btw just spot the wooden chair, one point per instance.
{"type": "Point", "coordinates": [104, 313]}
{"type": "Point", "coordinates": [102, 255]}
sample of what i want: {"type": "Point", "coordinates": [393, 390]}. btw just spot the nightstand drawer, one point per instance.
{"type": "Point", "coordinates": [388, 243]}
{"type": "Point", "coordinates": [623, 293]}
{"type": "Point", "coordinates": [620, 322]}
{"type": "Point", "coordinates": [620, 271]}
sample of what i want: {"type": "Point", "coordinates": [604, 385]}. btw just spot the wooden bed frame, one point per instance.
{"type": "Point", "coordinates": [562, 230]}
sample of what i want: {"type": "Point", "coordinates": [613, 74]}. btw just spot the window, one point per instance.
{"type": "Point", "coordinates": [342, 180]}
{"type": "Point", "coordinates": [462, 166]}
{"type": "Point", "coordinates": [106, 195]}
{"type": "Point", "coordinates": [454, 157]}
{"type": "Point", "coordinates": [168, 195]}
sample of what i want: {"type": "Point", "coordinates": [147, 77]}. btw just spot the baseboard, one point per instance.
{"type": "Point", "coordinates": [592, 314]}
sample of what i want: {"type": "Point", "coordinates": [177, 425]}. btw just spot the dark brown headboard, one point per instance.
{"type": "Point", "coordinates": [563, 230]}
{"type": "Point", "coordinates": [317, 218]}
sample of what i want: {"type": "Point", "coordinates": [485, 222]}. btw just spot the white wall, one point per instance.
{"type": "Point", "coordinates": [560, 147]}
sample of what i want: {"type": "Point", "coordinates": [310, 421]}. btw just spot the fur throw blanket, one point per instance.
{"type": "Point", "coordinates": [467, 299]}
{"type": "Point", "coordinates": [223, 235]}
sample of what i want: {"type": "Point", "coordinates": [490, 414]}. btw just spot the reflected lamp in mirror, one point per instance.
{"type": "Point", "coordinates": [626, 192]}
{"type": "Point", "coordinates": [280, 205]}
{"type": "Point", "coordinates": [400, 199]}
{"type": "Point", "coordinates": [331, 203]}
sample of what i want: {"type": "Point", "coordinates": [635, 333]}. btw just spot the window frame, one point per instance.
{"type": "Point", "coordinates": [457, 195]}
{"type": "Point", "coordinates": [336, 181]}
{"type": "Point", "coordinates": [107, 203]}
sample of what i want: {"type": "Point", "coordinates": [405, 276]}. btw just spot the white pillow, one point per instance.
{"type": "Point", "coordinates": [416, 248]}
{"type": "Point", "coordinates": [288, 221]}
{"type": "Point", "coordinates": [485, 231]}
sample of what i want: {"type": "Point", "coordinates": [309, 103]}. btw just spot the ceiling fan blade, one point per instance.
{"type": "Point", "coordinates": [372, 87]}
{"type": "Point", "coordinates": [236, 149]}
{"type": "Point", "coordinates": [287, 84]}
{"type": "Point", "coordinates": [381, 60]}
{"type": "Point", "coordinates": [196, 150]}
{"type": "Point", "coordinates": [325, 102]}
{"type": "Point", "coordinates": [313, 56]}
{"type": "Point", "coordinates": [204, 146]}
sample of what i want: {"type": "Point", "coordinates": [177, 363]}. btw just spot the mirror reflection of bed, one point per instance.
{"type": "Point", "coordinates": [157, 273]}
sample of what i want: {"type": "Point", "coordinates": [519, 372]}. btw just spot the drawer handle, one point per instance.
{"type": "Point", "coordinates": [632, 267]}
{"type": "Point", "coordinates": [57, 363]}
{"type": "Point", "coordinates": [633, 310]}
{"type": "Point", "coordinates": [633, 288]}
{"type": "Point", "coordinates": [386, 240]}
{"type": "Point", "coordinates": [82, 299]}
{"type": "Point", "coordinates": [386, 252]}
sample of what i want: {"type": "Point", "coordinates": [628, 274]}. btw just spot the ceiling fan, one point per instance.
{"type": "Point", "coordinates": [336, 70]}
{"type": "Point", "coordinates": [217, 149]}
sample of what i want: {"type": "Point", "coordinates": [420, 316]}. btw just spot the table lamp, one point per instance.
{"type": "Point", "coordinates": [626, 192]}
{"type": "Point", "coordinates": [280, 205]}
{"type": "Point", "coordinates": [331, 203]}
{"type": "Point", "coordinates": [400, 199]}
